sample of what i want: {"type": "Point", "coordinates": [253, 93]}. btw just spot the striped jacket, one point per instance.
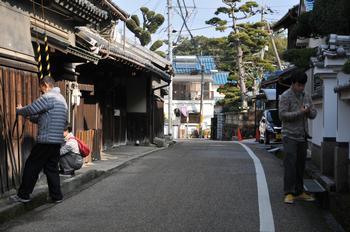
{"type": "Point", "coordinates": [294, 121]}
{"type": "Point", "coordinates": [70, 145]}
{"type": "Point", "coordinates": [50, 113]}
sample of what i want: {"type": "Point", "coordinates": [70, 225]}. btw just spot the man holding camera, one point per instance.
{"type": "Point", "coordinates": [295, 108]}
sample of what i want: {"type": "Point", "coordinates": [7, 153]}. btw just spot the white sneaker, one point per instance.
{"type": "Point", "coordinates": [16, 198]}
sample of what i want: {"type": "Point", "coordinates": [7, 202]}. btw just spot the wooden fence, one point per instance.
{"type": "Point", "coordinates": [92, 138]}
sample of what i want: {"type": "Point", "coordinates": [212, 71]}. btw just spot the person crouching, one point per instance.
{"type": "Point", "coordinates": [70, 157]}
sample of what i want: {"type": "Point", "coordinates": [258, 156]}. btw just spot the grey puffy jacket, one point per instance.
{"type": "Point", "coordinates": [50, 113]}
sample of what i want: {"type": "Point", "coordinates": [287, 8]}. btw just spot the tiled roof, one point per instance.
{"type": "Point", "coordinates": [188, 67]}
{"type": "Point", "coordinates": [288, 19]}
{"type": "Point", "coordinates": [220, 78]}
{"type": "Point", "coordinates": [271, 78]}
{"type": "Point", "coordinates": [272, 75]}
{"type": "Point", "coordinates": [86, 8]}
{"type": "Point", "coordinates": [93, 11]}
{"type": "Point", "coordinates": [130, 53]}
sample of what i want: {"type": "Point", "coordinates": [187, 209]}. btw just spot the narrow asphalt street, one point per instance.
{"type": "Point", "coordinates": [192, 186]}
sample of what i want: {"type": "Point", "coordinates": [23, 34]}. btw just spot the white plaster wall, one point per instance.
{"type": "Point", "coordinates": [217, 95]}
{"type": "Point", "coordinates": [208, 111]}
{"type": "Point", "coordinates": [330, 108]}
{"type": "Point", "coordinates": [15, 31]}
{"type": "Point", "coordinates": [316, 126]}
{"type": "Point", "coordinates": [343, 123]}
{"type": "Point", "coordinates": [308, 86]}
{"type": "Point", "coordinates": [166, 103]}
{"type": "Point", "coordinates": [194, 106]}
{"type": "Point", "coordinates": [316, 42]}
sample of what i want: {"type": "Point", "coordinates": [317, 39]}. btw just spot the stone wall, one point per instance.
{"type": "Point", "coordinates": [244, 121]}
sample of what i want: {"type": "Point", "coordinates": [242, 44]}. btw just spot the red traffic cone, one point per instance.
{"type": "Point", "coordinates": [239, 135]}
{"type": "Point", "coordinates": [257, 135]}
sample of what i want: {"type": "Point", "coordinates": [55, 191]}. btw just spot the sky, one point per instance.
{"type": "Point", "coordinates": [204, 10]}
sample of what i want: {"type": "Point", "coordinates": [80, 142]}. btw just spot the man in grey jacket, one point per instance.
{"type": "Point", "coordinates": [50, 113]}
{"type": "Point", "coordinates": [295, 108]}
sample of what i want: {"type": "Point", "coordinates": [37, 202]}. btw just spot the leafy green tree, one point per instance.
{"type": "Point", "coordinates": [327, 17]}
{"type": "Point", "coordinates": [151, 23]}
{"type": "Point", "coordinates": [346, 67]}
{"type": "Point", "coordinates": [299, 57]}
{"type": "Point", "coordinates": [247, 38]}
{"type": "Point", "coordinates": [223, 52]}
{"type": "Point", "coordinates": [219, 48]}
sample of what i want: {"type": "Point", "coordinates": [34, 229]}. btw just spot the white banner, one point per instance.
{"type": "Point", "coordinates": [309, 5]}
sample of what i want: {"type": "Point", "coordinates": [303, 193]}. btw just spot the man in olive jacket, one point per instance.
{"type": "Point", "coordinates": [50, 113]}
{"type": "Point", "coordinates": [295, 108]}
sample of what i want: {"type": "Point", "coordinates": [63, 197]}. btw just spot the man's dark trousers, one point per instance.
{"type": "Point", "coordinates": [294, 165]}
{"type": "Point", "coordinates": [42, 157]}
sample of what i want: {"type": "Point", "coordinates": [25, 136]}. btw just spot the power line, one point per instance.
{"type": "Point", "coordinates": [156, 5]}
{"type": "Point", "coordinates": [185, 23]}
{"type": "Point", "coordinates": [145, 4]}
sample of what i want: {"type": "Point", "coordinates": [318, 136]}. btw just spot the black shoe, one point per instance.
{"type": "Point", "coordinates": [68, 173]}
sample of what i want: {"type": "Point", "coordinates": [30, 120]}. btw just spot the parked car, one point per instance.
{"type": "Point", "coordinates": [270, 127]}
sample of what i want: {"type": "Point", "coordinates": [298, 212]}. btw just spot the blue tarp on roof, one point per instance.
{"type": "Point", "coordinates": [279, 73]}
{"type": "Point", "coordinates": [272, 75]}
{"type": "Point", "coordinates": [183, 67]}
{"type": "Point", "coordinates": [220, 78]}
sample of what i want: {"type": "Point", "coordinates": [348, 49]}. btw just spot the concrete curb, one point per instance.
{"type": "Point", "coordinates": [69, 187]}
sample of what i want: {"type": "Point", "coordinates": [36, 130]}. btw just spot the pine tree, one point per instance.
{"type": "Point", "coordinates": [247, 38]}
{"type": "Point", "coordinates": [151, 23]}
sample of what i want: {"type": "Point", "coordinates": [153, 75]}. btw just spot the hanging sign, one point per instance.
{"type": "Point", "coordinates": [309, 5]}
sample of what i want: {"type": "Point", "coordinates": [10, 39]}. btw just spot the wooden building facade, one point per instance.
{"type": "Point", "coordinates": [113, 88]}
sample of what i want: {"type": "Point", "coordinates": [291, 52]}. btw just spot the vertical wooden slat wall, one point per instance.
{"type": "Point", "coordinates": [16, 87]}
{"type": "Point", "coordinates": [91, 138]}
{"type": "Point", "coordinates": [158, 121]}
{"type": "Point", "coordinates": [86, 117]}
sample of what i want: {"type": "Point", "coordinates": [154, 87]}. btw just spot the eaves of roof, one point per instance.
{"type": "Point", "coordinates": [192, 64]}
{"type": "Point", "coordinates": [288, 19]}
{"type": "Point", "coordinates": [340, 88]}
{"type": "Point", "coordinates": [63, 45]}
{"type": "Point", "coordinates": [130, 54]}
{"type": "Point", "coordinates": [116, 9]}
{"type": "Point", "coordinates": [93, 10]}
{"type": "Point", "coordinates": [281, 76]}
{"type": "Point", "coordinates": [220, 78]}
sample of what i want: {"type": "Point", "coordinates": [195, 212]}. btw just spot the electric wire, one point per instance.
{"type": "Point", "coordinates": [185, 23]}
{"type": "Point", "coordinates": [145, 4]}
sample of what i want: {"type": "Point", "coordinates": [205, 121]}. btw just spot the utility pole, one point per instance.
{"type": "Point", "coordinates": [262, 20]}
{"type": "Point", "coordinates": [256, 87]}
{"type": "Point", "coordinates": [274, 47]}
{"type": "Point", "coordinates": [262, 11]}
{"type": "Point", "coordinates": [201, 101]}
{"type": "Point", "coordinates": [170, 58]}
